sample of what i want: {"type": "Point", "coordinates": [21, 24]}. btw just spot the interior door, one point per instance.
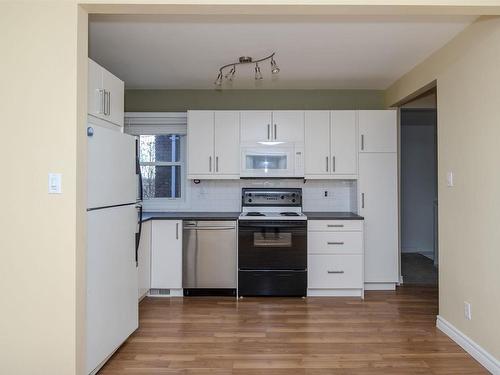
{"type": "Point", "coordinates": [255, 126]}
{"type": "Point", "coordinates": [227, 143]}
{"type": "Point", "coordinates": [112, 176]}
{"type": "Point", "coordinates": [201, 143]}
{"type": "Point", "coordinates": [377, 187]}
{"type": "Point", "coordinates": [112, 309]}
{"type": "Point", "coordinates": [288, 126]}
{"type": "Point", "coordinates": [344, 148]}
{"type": "Point", "coordinates": [317, 143]}
{"type": "Point", "coordinates": [377, 131]}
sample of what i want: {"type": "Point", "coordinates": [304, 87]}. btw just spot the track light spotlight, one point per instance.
{"type": "Point", "coordinates": [258, 74]}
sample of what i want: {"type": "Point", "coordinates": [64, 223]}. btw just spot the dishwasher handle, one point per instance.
{"type": "Point", "coordinates": [209, 228]}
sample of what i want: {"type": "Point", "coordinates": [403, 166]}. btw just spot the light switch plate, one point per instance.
{"type": "Point", "coordinates": [449, 179]}
{"type": "Point", "coordinates": [55, 182]}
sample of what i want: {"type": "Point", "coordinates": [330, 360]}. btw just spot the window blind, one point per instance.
{"type": "Point", "coordinates": [155, 123]}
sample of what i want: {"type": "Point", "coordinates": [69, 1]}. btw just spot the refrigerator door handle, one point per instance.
{"type": "Point", "coordinates": [138, 170]}
{"type": "Point", "coordinates": [138, 237]}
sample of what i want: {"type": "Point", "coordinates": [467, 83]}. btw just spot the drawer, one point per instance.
{"type": "Point", "coordinates": [335, 225]}
{"type": "Point", "coordinates": [335, 243]}
{"type": "Point", "coordinates": [335, 271]}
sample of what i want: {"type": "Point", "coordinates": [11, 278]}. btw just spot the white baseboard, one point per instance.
{"type": "Point", "coordinates": [477, 352]}
{"type": "Point", "coordinates": [380, 286]}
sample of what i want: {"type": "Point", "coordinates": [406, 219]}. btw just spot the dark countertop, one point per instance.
{"type": "Point", "coordinates": [190, 216]}
{"type": "Point", "coordinates": [234, 216]}
{"type": "Point", "coordinates": [333, 216]}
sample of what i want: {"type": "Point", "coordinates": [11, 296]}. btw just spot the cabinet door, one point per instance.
{"type": "Point", "coordinates": [144, 260]}
{"type": "Point", "coordinates": [200, 132]}
{"type": "Point", "coordinates": [227, 143]}
{"type": "Point", "coordinates": [317, 143]}
{"type": "Point", "coordinates": [166, 254]}
{"type": "Point", "coordinates": [95, 98]}
{"type": "Point", "coordinates": [344, 148]}
{"type": "Point", "coordinates": [255, 126]}
{"type": "Point", "coordinates": [288, 126]}
{"type": "Point", "coordinates": [377, 187]}
{"type": "Point", "coordinates": [378, 131]}
{"type": "Point", "coordinates": [115, 90]}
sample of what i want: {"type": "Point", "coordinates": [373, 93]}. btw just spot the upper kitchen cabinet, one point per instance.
{"type": "Point", "coordinates": [105, 94]}
{"type": "Point", "coordinates": [278, 126]}
{"type": "Point", "coordinates": [213, 144]}
{"type": "Point", "coordinates": [256, 126]}
{"type": "Point", "coordinates": [330, 145]}
{"type": "Point", "coordinates": [378, 131]}
{"type": "Point", "coordinates": [288, 126]}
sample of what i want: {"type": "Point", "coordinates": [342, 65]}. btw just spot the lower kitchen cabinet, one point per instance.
{"type": "Point", "coordinates": [166, 257]}
{"type": "Point", "coordinates": [335, 258]}
{"type": "Point", "coordinates": [144, 260]}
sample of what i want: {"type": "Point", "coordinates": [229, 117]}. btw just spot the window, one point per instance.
{"type": "Point", "coordinates": [161, 160]}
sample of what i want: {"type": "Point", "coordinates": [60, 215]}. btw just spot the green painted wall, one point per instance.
{"type": "Point", "coordinates": [182, 100]}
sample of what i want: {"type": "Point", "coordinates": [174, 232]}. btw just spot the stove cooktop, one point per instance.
{"type": "Point", "coordinates": [272, 215]}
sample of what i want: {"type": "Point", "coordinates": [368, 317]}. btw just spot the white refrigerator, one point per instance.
{"type": "Point", "coordinates": [112, 223]}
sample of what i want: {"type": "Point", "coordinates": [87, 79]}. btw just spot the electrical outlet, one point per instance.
{"type": "Point", "coordinates": [326, 193]}
{"type": "Point", "coordinates": [467, 311]}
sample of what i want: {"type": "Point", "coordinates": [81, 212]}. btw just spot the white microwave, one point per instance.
{"type": "Point", "coordinates": [268, 160]}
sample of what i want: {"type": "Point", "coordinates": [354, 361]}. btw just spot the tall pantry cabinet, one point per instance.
{"type": "Point", "coordinates": [378, 196]}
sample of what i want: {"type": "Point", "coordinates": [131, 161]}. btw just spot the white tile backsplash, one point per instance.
{"type": "Point", "coordinates": [225, 195]}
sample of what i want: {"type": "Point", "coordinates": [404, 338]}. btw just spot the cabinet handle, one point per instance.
{"type": "Point", "coordinates": [335, 225]}
{"type": "Point", "coordinates": [268, 131]}
{"type": "Point", "coordinates": [275, 132]}
{"type": "Point", "coordinates": [210, 164]}
{"type": "Point", "coordinates": [335, 243]}
{"type": "Point", "coordinates": [327, 163]}
{"type": "Point", "coordinates": [217, 164]}
{"type": "Point", "coordinates": [362, 200]}
{"type": "Point", "coordinates": [335, 271]}
{"type": "Point", "coordinates": [176, 231]}
{"type": "Point", "coordinates": [333, 163]}
{"type": "Point", "coordinates": [109, 103]}
{"type": "Point", "coordinates": [362, 142]}
{"type": "Point", "coordinates": [102, 101]}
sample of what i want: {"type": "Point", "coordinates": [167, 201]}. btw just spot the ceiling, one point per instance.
{"type": "Point", "coordinates": [334, 52]}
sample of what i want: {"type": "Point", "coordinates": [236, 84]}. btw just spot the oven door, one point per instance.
{"type": "Point", "coordinates": [272, 245]}
{"type": "Point", "coordinates": [267, 161]}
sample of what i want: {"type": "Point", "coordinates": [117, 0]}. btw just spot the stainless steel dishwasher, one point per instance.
{"type": "Point", "coordinates": [209, 261]}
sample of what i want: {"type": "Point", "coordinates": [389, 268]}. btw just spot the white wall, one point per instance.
{"type": "Point", "coordinates": [418, 188]}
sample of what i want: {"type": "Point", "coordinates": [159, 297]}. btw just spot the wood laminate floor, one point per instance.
{"type": "Point", "coordinates": [387, 333]}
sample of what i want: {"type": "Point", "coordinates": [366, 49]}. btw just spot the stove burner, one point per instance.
{"type": "Point", "coordinates": [289, 214]}
{"type": "Point", "coordinates": [255, 214]}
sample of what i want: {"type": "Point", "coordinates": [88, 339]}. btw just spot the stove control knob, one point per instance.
{"type": "Point", "coordinates": [293, 200]}
{"type": "Point", "coordinates": [249, 200]}
{"type": "Point", "coordinates": [282, 197]}
{"type": "Point", "coordinates": [293, 194]}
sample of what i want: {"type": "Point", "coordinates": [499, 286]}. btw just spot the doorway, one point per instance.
{"type": "Point", "coordinates": [419, 198]}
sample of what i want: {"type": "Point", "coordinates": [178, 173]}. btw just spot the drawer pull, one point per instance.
{"type": "Point", "coordinates": [335, 225]}
{"type": "Point", "coordinates": [335, 243]}
{"type": "Point", "coordinates": [335, 271]}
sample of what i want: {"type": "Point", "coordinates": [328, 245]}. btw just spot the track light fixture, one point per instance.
{"type": "Point", "coordinates": [230, 75]}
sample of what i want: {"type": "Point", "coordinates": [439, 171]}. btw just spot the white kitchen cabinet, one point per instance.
{"type": "Point", "coordinates": [144, 260]}
{"type": "Point", "coordinates": [377, 131]}
{"type": "Point", "coordinates": [200, 138]}
{"type": "Point", "coordinates": [105, 94]}
{"type": "Point", "coordinates": [227, 143]}
{"type": "Point", "coordinates": [343, 143]}
{"type": "Point", "coordinates": [335, 258]}
{"type": "Point", "coordinates": [378, 203]}
{"type": "Point", "coordinates": [266, 126]}
{"type": "Point", "coordinates": [256, 126]}
{"type": "Point", "coordinates": [288, 126]}
{"type": "Point", "coordinates": [166, 254]}
{"type": "Point", "coordinates": [213, 145]}
{"type": "Point", "coordinates": [317, 144]}
{"type": "Point", "coordinates": [330, 145]}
